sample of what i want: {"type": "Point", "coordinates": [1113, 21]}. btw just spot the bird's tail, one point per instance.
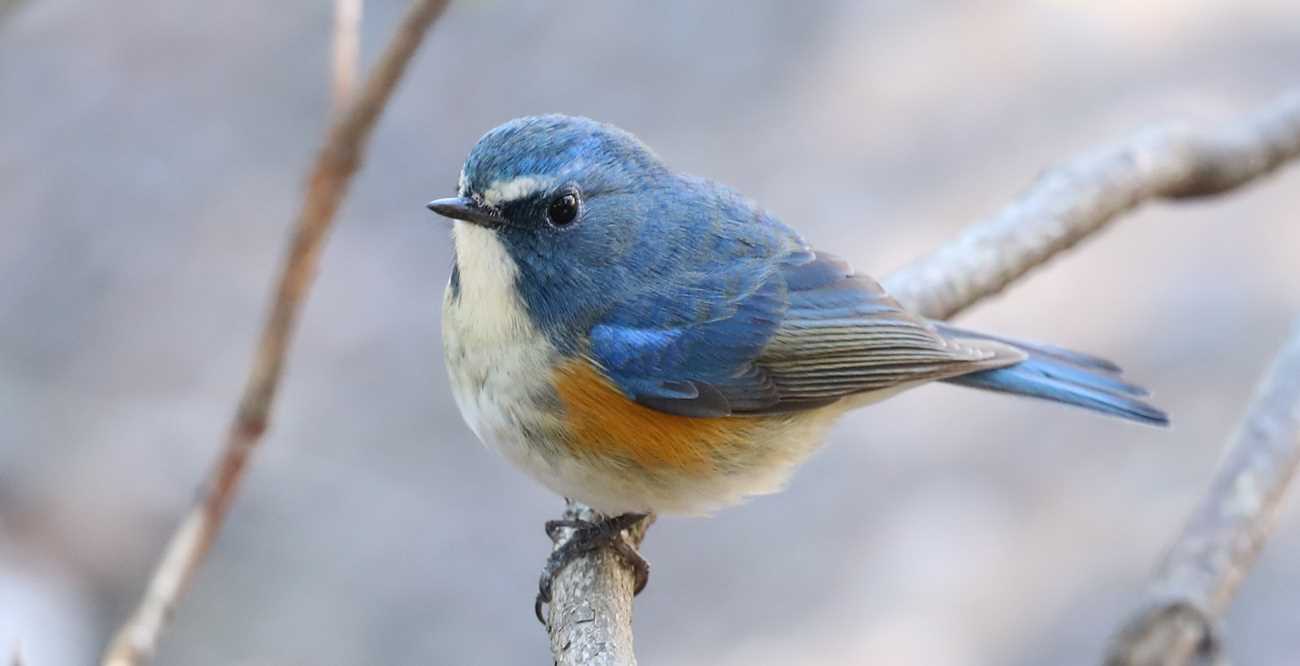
{"type": "Point", "coordinates": [1061, 375]}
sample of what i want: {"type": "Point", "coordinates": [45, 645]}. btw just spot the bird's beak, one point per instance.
{"type": "Point", "coordinates": [464, 208]}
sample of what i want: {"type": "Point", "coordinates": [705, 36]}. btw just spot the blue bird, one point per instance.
{"type": "Point", "coordinates": [645, 341]}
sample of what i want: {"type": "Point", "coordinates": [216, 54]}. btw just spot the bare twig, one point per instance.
{"type": "Point", "coordinates": [1066, 205]}
{"type": "Point", "coordinates": [337, 161]}
{"type": "Point", "coordinates": [1201, 572]}
{"type": "Point", "coordinates": [347, 50]}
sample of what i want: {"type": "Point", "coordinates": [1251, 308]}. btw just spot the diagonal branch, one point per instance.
{"type": "Point", "coordinates": [1066, 205]}
{"type": "Point", "coordinates": [337, 161]}
{"type": "Point", "coordinates": [1080, 198]}
{"type": "Point", "coordinates": [1201, 572]}
{"type": "Point", "coordinates": [346, 55]}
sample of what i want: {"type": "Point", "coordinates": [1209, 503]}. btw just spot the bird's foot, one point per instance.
{"type": "Point", "coordinates": [588, 536]}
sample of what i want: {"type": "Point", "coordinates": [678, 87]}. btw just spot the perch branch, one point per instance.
{"type": "Point", "coordinates": [590, 616]}
{"type": "Point", "coordinates": [335, 164]}
{"type": "Point", "coordinates": [1201, 572]}
{"type": "Point", "coordinates": [1066, 205]}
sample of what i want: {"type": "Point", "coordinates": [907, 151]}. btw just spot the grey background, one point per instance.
{"type": "Point", "coordinates": [151, 156]}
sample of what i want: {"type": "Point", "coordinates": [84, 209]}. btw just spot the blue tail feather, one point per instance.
{"type": "Point", "coordinates": [1072, 374]}
{"type": "Point", "coordinates": [1036, 348]}
{"type": "Point", "coordinates": [1032, 384]}
{"type": "Point", "coordinates": [1060, 375]}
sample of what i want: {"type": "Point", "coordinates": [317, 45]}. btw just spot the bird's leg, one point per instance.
{"type": "Point", "coordinates": [586, 537]}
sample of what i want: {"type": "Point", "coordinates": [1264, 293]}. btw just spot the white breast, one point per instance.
{"type": "Point", "coordinates": [500, 367]}
{"type": "Point", "coordinates": [488, 300]}
{"type": "Point", "coordinates": [500, 364]}
{"type": "Point", "coordinates": [495, 356]}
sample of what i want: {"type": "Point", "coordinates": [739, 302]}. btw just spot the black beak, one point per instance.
{"type": "Point", "coordinates": [464, 208]}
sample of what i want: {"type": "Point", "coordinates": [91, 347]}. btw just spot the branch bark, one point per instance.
{"type": "Point", "coordinates": [1200, 574]}
{"type": "Point", "coordinates": [328, 180]}
{"type": "Point", "coordinates": [590, 614]}
{"type": "Point", "coordinates": [1066, 205]}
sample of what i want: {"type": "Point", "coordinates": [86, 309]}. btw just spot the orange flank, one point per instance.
{"type": "Point", "coordinates": [605, 423]}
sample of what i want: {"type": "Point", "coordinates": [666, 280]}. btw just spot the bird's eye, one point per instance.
{"type": "Point", "coordinates": [563, 209]}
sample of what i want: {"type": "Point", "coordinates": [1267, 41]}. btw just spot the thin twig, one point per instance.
{"type": "Point", "coordinates": [1066, 205]}
{"type": "Point", "coordinates": [346, 57]}
{"type": "Point", "coordinates": [1201, 572]}
{"type": "Point", "coordinates": [337, 161]}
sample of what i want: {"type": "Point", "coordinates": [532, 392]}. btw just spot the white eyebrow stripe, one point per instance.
{"type": "Point", "coordinates": [500, 192]}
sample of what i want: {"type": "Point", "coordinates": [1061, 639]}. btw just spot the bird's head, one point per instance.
{"type": "Point", "coordinates": [544, 173]}
{"type": "Point", "coordinates": [568, 207]}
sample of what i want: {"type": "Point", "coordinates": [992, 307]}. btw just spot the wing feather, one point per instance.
{"type": "Point", "coordinates": [800, 335]}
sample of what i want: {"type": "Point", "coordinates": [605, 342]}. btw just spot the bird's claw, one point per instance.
{"type": "Point", "coordinates": [586, 537]}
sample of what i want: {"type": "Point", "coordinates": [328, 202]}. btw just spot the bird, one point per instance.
{"type": "Point", "coordinates": [646, 341]}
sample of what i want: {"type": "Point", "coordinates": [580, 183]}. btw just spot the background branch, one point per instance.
{"type": "Point", "coordinates": [1200, 574]}
{"type": "Point", "coordinates": [346, 56]}
{"type": "Point", "coordinates": [1078, 199]}
{"type": "Point", "coordinates": [1065, 205]}
{"type": "Point", "coordinates": [337, 161]}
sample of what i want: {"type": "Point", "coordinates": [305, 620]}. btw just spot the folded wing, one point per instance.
{"type": "Point", "coordinates": [779, 335]}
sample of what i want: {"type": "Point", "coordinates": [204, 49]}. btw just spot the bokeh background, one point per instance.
{"type": "Point", "coordinates": [151, 158]}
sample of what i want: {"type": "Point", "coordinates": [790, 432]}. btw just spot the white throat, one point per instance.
{"type": "Point", "coordinates": [488, 300]}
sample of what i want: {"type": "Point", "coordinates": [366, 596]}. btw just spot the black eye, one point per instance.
{"type": "Point", "coordinates": [563, 209]}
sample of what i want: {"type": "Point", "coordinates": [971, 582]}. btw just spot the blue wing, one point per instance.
{"type": "Point", "coordinates": [791, 330]}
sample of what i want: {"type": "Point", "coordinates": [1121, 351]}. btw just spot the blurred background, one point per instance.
{"type": "Point", "coordinates": [151, 159]}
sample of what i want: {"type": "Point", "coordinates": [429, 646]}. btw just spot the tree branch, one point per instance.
{"type": "Point", "coordinates": [1066, 205]}
{"type": "Point", "coordinates": [335, 164]}
{"type": "Point", "coordinates": [1201, 572]}
{"type": "Point", "coordinates": [346, 56]}
{"type": "Point", "coordinates": [590, 614]}
{"type": "Point", "coordinates": [1078, 199]}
